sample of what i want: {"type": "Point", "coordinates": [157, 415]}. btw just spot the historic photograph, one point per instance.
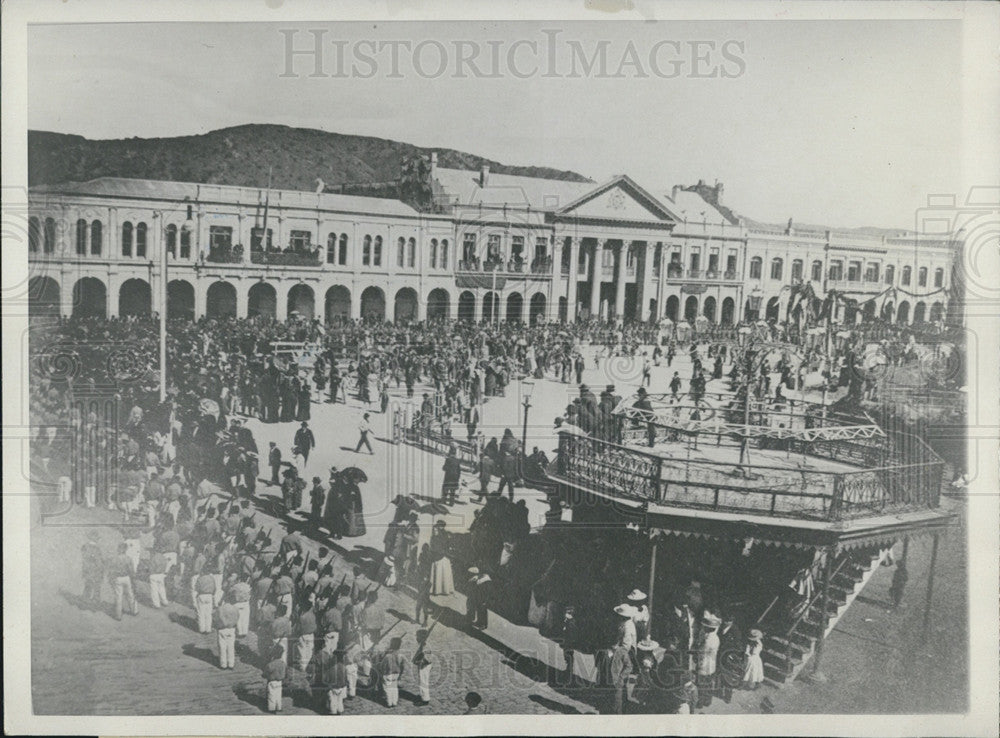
{"type": "Point", "coordinates": [498, 368]}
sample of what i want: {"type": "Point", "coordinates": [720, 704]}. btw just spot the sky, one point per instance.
{"type": "Point", "coordinates": [843, 123]}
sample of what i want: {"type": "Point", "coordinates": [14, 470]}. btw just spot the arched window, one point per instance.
{"type": "Point", "coordinates": [49, 243]}
{"type": "Point", "coordinates": [922, 277]}
{"type": "Point", "coordinates": [342, 254]}
{"type": "Point", "coordinates": [890, 273]}
{"type": "Point", "coordinates": [95, 238]}
{"type": "Point", "coordinates": [443, 256]}
{"type": "Point", "coordinates": [905, 279]}
{"type": "Point", "coordinates": [377, 252]}
{"type": "Point", "coordinates": [331, 249]}
{"type": "Point", "coordinates": [434, 253]}
{"type": "Point", "coordinates": [126, 239]}
{"type": "Point", "coordinates": [140, 240]}
{"type": "Point", "coordinates": [366, 252]}
{"type": "Point", "coordinates": [171, 234]}
{"type": "Point", "coordinates": [81, 237]}
{"type": "Point", "coordinates": [939, 277]}
{"type": "Point", "coordinates": [185, 243]}
{"type": "Point", "coordinates": [34, 234]}
{"type": "Point", "coordinates": [797, 270]}
{"type": "Point", "coordinates": [411, 253]}
{"type": "Point", "coordinates": [817, 271]}
{"type": "Point", "coordinates": [755, 267]}
{"type": "Point", "coordinates": [400, 252]}
{"type": "Point", "coordinates": [776, 268]}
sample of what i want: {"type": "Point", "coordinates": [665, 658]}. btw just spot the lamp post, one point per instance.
{"type": "Point", "coordinates": [526, 388]}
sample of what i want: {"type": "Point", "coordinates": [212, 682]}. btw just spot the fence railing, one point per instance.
{"type": "Point", "coordinates": [283, 258]}
{"type": "Point", "coordinates": [632, 474]}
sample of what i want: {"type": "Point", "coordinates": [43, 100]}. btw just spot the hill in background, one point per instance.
{"type": "Point", "coordinates": [242, 156]}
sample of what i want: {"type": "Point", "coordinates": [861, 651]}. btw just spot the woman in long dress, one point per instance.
{"type": "Point", "coordinates": [754, 672]}
{"type": "Point", "coordinates": [355, 511]}
{"type": "Point", "coordinates": [442, 579]}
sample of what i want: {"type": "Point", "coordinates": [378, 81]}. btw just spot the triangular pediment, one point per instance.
{"type": "Point", "coordinates": [619, 199]}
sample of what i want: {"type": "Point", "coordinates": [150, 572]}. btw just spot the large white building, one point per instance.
{"type": "Point", "coordinates": [491, 246]}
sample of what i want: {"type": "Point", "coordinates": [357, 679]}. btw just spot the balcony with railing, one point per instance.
{"type": "Point", "coordinates": [826, 493]}
{"type": "Point", "coordinates": [541, 266]}
{"type": "Point", "coordinates": [225, 254]}
{"type": "Point", "coordinates": [287, 258]}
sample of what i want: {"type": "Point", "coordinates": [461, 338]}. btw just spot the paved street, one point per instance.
{"type": "Point", "coordinates": [157, 663]}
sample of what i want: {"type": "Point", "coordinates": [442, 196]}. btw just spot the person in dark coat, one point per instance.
{"type": "Point", "coordinates": [317, 496]}
{"type": "Point", "coordinates": [732, 646]}
{"type": "Point", "coordinates": [335, 510]}
{"type": "Point", "coordinates": [643, 403]}
{"type": "Point", "coordinates": [478, 598]}
{"type": "Point", "coordinates": [452, 477]}
{"type": "Point", "coordinates": [274, 460]}
{"type": "Point", "coordinates": [305, 441]}
{"type": "Point", "coordinates": [355, 509]}
{"type": "Point", "coordinates": [304, 400]}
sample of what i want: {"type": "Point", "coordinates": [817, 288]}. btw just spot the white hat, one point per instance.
{"type": "Point", "coordinates": [647, 645]}
{"type": "Point", "coordinates": [473, 569]}
{"type": "Point", "coordinates": [626, 611]}
{"type": "Point", "coordinates": [636, 594]}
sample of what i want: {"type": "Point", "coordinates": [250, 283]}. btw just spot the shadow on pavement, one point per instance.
{"type": "Point", "coordinates": [78, 602]}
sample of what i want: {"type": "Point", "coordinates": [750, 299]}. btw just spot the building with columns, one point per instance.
{"type": "Point", "coordinates": [487, 246]}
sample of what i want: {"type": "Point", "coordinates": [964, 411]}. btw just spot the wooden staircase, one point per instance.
{"type": "Point", "coordinates": [787, 651]}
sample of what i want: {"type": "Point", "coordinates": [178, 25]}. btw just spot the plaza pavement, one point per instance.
{"type": "Point", "coordinates": [84, 662]}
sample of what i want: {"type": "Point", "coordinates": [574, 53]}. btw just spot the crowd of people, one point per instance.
{"type": "Point", "coordinates": [161, 463]}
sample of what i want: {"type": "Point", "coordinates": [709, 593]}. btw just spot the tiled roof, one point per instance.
{"type": "Point", "coordinates": [552, 194]}
{"type": "Point", "coordinates": [160, 190]}
{"type": "Point", "coordinates": [462, 188]}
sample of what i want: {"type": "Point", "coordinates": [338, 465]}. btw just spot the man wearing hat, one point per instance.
{"type": "Point", "coordinates": [317, 497]}
{"type": "Point", "coordinates": [644, 404]}
{"type": "Point", "coordinates": [477, 601]}
{"type": "Point", "coordinates": [708, 652]}
{"type": "Point", "coordinates": [391, 668]}
{"type": "Point", "coordinates": [274, 459]}
{"type": "Point", "coordinates": [305, 441]}
{"type": "Point", "coordinates": [647, 664]}
{"type": "Point", "coordinates": [364, 428]}
{"type": "Point", "coordinates": [637, 598]}
{"type": "Point", "coordinates": [226, 618]}
{"type": "Point", "coordinates": [626, 625]}
{"type": "Point", "coordinates": [332, 673]}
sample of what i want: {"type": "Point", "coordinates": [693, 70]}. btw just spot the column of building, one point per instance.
{"type": "Point", "coordinates": [556, 288]}
{"type": "Point", "coordinates": [574, 275]}
{"type": "Point", "coordinates": [597, 267]}
{"type": "Point", "coordinates": [623, 251]}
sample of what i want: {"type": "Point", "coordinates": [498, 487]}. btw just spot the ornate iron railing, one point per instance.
{"type": "Point", "coordinates": [283, 258]}
{"type": "Point", "coordinates": [632, 474]}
